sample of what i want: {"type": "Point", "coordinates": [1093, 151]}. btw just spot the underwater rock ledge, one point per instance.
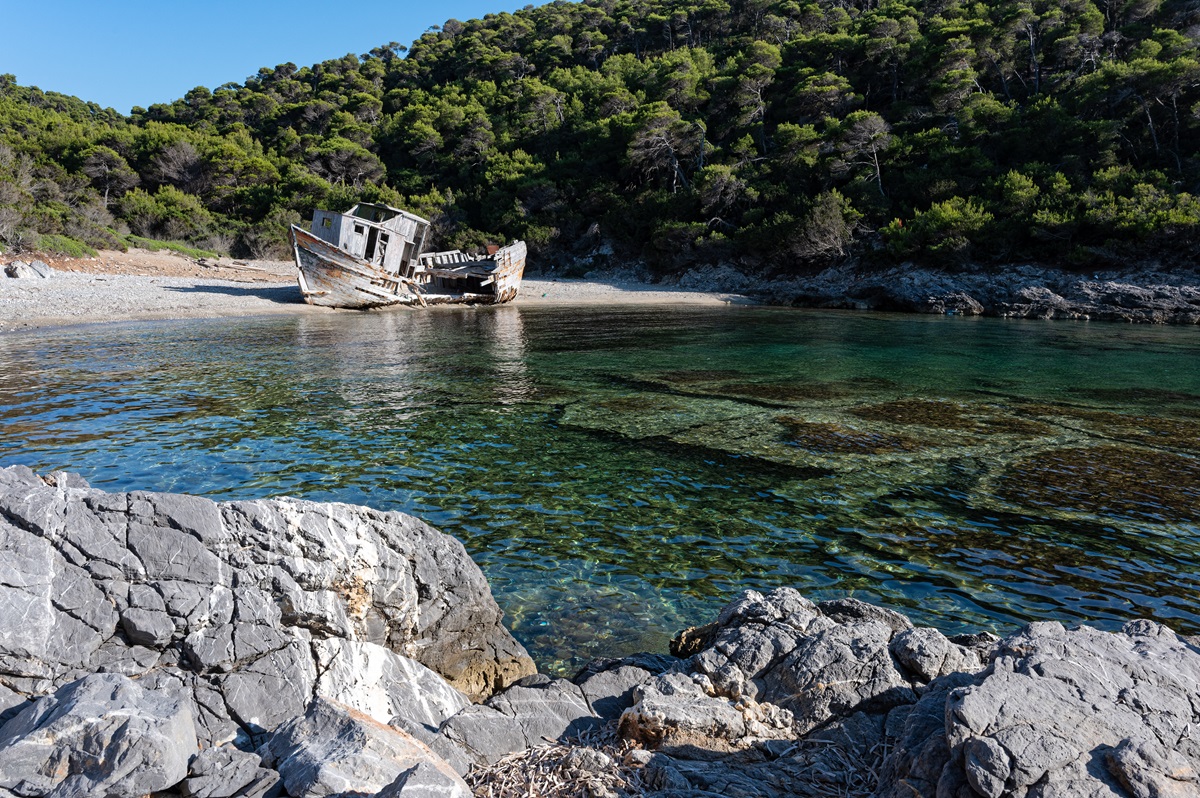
{"type": "Point", "coordinates": [168, 644]}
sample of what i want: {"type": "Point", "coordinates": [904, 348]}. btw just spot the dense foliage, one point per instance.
{"type": "Point", "coordinates": [791, 133]}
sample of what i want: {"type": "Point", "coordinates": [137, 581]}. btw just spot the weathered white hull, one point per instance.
{"type": "Point", "coordinates": [333, 278]}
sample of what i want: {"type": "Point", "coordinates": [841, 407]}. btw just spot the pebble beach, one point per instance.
{"type": "Point", "coordinates": [142, 285]}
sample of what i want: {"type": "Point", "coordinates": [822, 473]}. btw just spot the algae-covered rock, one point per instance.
{"type": "Point", "coordinates": [1137, 483]}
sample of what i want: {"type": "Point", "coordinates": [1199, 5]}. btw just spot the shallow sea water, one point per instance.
{"type": "Point", "coordinates": [620, 473]}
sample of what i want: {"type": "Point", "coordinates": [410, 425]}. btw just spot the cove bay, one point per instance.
{"type": "Point", "coordinates": [621, 473]}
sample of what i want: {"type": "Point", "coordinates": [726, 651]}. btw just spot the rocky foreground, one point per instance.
{"type": "Point", "coordinates": [169, 645]}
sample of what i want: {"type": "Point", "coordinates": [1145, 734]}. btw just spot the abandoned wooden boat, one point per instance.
{"type": "Point", "coordinates": [373, 255]}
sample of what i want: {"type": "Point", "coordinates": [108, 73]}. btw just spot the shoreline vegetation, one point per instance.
{"type": "Point", "coordinates": [782, 138]}
{"type": "Point", "coordinates": [308, 649]}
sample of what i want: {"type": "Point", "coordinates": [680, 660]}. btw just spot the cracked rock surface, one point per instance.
{"type": "Point", "coordinates": [1061, 712]}
{"type": "Point", "coordinates": [1143, 294]}
{"type": "Point", "coordinates": [170, 645]}
{"type": "Point", "coordinates": [249, 603]}
{"type": "Point", "coordinates": [240, 614]}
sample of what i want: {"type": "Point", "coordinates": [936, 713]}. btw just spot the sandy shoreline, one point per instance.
{"type": "Point", "coordinates": [141, 285]}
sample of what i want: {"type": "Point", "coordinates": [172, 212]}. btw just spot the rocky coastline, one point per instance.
{"type": "Point", "coordinates": [140, 285]}
{"type": "Point", "coordinates": [168, 645]}
{"type": "Point", "coordinates": [1138, 294]}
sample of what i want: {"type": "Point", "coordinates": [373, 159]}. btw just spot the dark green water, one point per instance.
{"type": "Point", "coordinates": [619, 473]}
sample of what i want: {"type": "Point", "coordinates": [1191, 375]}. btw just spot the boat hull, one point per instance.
{"type": "Point", "coordinates": [333, 278]}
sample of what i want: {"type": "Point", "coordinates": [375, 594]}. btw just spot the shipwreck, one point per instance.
{"type": "Point", "coordinates": [373, 255]}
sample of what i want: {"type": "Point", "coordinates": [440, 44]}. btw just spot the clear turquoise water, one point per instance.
{"type": "Point", "coordinates": [620, 473]}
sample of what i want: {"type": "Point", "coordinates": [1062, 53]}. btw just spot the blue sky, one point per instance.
{"type": "Point", "coordinates": [122, 54]}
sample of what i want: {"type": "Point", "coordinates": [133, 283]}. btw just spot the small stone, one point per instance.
{"type": "Point", "coordinates": [637, 757]}
{"type": "Point", "coordinates": [220, 773]}
{"type": "Point", "coordinates": [582, 762]}
{"type": "Point", "coordinates": [147, 627]}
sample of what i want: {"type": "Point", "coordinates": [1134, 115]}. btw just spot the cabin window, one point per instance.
{"type": "Point", "coordinates": [359, 229]}
{"type": "Point", "coordinates": [327, 222]}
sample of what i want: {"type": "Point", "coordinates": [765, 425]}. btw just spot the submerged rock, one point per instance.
{"type": "Point", "coordinates": [1136, 483]}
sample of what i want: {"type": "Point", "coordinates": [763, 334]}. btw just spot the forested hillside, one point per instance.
{"type": "Point", "coordinates": [788, 133]}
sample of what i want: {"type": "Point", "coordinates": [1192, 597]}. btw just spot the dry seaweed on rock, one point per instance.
{"type": "Point", "coordinates": [587, 766]}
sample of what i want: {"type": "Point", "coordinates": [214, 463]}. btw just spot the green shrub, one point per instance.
{"type": "Point", "coordinates": [168, 214]}
{"type": "Point", "coordinates": [64, 245]}
{"type": "Point", "coordinates": [270, 237]}
{"type": "Point", "coordinates": [1141, 211]}
{"type": "Point", "coordinates": [946, 232]}
{"type": "Point", "coordinates": [174, 246]}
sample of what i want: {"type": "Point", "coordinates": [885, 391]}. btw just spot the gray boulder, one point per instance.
{"type": "Point", "coordinates": [838, 671]}
{"type": "Point", "coordinates": [522, 716]}
{"type": "Point", "coordinates": [926, 654]}
{"type": "Point", "coordinates": [334, 750]}
{"type": "Point", "coordinates": [21, 270]}
{"type": "Point", "coordinates": [249, 607]}
{"type": "Point", "coordinates": [610, 692]}
{"type": "Point", "coordinates": [226, 772]}
{"type": "Point", "coordinates": [101, 736]}
{"type": "Point", "coordinates": [820, 661]}
{"type": "Point", "coordinates": [1069, 713]}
